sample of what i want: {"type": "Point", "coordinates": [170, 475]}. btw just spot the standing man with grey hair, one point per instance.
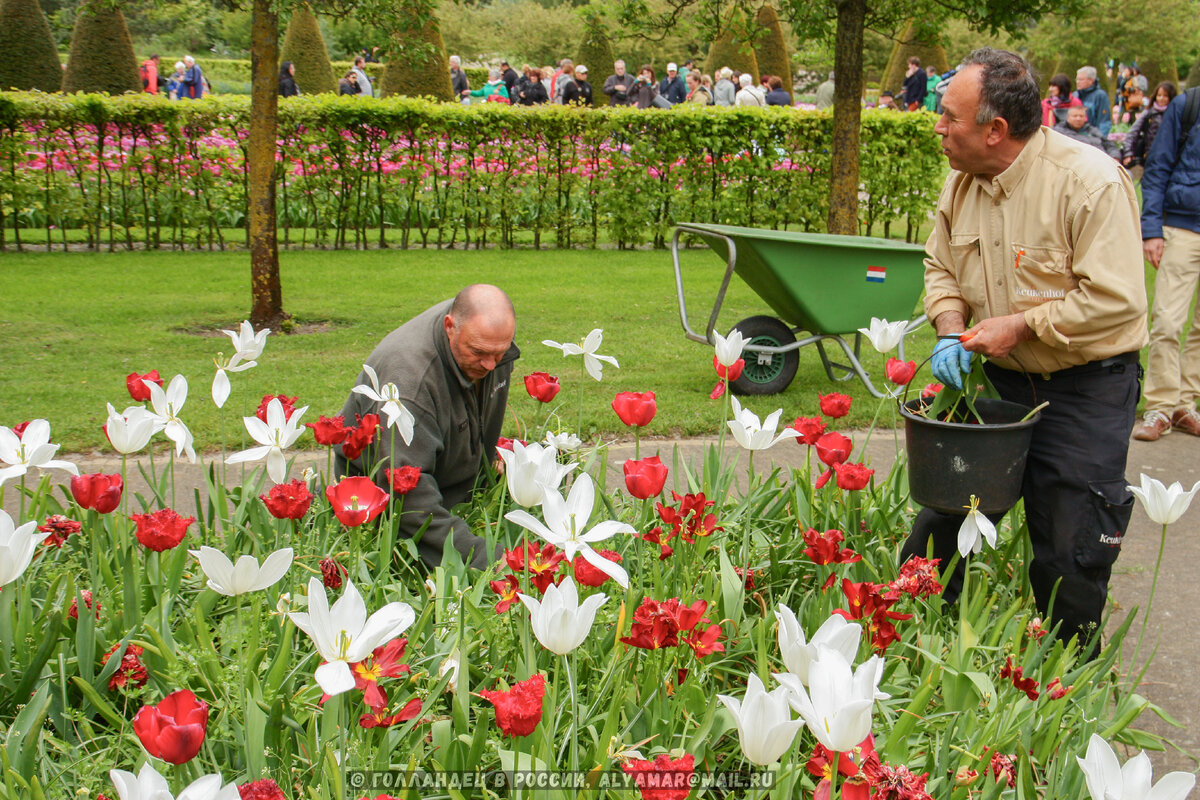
{"type": "Point", "coordinates": [749, 94]}
{"type": "Point", "coordinates": [1036, 246]}
{"type": "Point", "coordinates": [458, 79]}
{"type": "Point", "coordinates": [825, 94]}
{"type": "Point", "coordinates": [364, 83]}
{"type": "Point", "coordinates": [1094, 99]}
{"type": "Point", "coordinates": [193, 84]}
{"type": "Point", "coordinates": [452, 366]}
{"type": "Point", "coordinates": [724, 91]}
{"type": "Point", "coordinates": [617, 85]}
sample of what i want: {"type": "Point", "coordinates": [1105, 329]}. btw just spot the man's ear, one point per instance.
{"type": "Point", "coordinates": [997, 131]}
{"type": "Point", "coordinates": [448, 324]}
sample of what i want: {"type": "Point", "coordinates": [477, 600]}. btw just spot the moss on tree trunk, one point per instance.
{"type": "Point", "coordinates": [847, 114]}
{"type": "Point", "coordinates": [266, 304]}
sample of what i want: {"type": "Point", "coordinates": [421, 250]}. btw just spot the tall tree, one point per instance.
{"type": "Point", "coordinates": [28, 57]}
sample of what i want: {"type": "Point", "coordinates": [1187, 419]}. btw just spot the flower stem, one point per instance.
{"type": "Point", "coordinates": [833, 776]}
{"type": "Point", "coordinates": [1162, 546]}
{"type": "Point", "coordinates": [574, 715]}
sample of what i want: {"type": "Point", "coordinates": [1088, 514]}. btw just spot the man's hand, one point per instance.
{"type": "Point", "coordinates": [1153, 249]}
{"type": "Point", "coordinates": [996, 337]}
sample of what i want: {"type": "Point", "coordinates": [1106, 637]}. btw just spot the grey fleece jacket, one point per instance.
{"type": "Point", "coordinates": [457, 425]}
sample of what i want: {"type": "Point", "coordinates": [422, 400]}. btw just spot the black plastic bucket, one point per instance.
{"type": "Point", "coordinates": [950, 461]}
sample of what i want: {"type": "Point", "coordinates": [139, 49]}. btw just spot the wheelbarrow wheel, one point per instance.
{"type": "Point", "coordinates": [766, 373]}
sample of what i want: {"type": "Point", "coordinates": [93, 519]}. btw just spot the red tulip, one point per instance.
{"type": "Point", "coordinates": [930, 390]}
{"type": "Point", "coordinates": [360, 437]}
{"type": "Point", "coordinates": [161, 530]}
{"type": "Point", "coordinates": [330, 430]}
{"type": "Point", "coordinates": [73, 611]}
{"type": "Point", "coordinates": [852, 477]}
{"type": "Point", "coordinates": [356, 500]}
{"type": "Point", "coordinates": [137, 389]}
{"type": "Point", "coordinates": [19, 429]}
{"type": "Point", "coordinates": [174, 729]}
{"type": "Point", "coordinates": [662, 778]}
{"type": "Point", "coordinates": [900, 372]}
{"type": "Point", "coordinates": [635, 408]}
{"type": "Point", "coordinates": [542, 386]}
{"type": "Point", "coordinates": [588, 575]}
{"type": "Point", "coordinates": [131, 670]}
{"type": "Point", "coordinates": [732, 372]}
{"type": "Point", "coordinates": [834, 405]}
{"type": "Point", "coordinates": [97, 491]}
{"type": "Point", "coordinates": [833, 448]}
{"type": "Point", "coordinates": [809, 428]}
{"type": "Point", "coordinates": [288, 403]}
{"type": "Point", "coordinates": [645, 478]}
{"type": "Point", "coordinates": [519, 710]}
{"type": "Point", "coordinates": [507, 589]}
{"type": "Point", "coordinates": [263, 789]}
{"type": "Point", "coordinates": [288, 500]}
{"type": "Point", "coordinates": [404, 479]}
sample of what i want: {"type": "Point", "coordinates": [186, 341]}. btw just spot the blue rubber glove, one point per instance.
{"type": "Point", "coordinates": [950, 362]}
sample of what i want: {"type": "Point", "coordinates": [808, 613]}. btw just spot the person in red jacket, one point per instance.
{"type": "Point", "coordinates": [149, 73]}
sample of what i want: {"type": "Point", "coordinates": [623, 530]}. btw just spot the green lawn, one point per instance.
{"type": "Point", "coordinates": [76, 324]}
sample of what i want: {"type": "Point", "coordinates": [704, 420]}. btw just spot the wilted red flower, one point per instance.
{"type": "Point", "coordinates": [689, 520]}
{"type": "Point", "coordinates": [852, 477]}
{"type": "Point", "coordinates": [1056, 690]}
{"type": "Point", "coordinates": [73, 611]}
{"type": "Point", "coordinates": [834, 405]}
{"type": "Point", "coordinates": [1017, 675]}
{"type": "Point", "coordinates": [895, 782]}
{"type": "Point", "coordinates": [131, 672]}
{"type": "Point", "coordinates": [542, 386]}
{"type": "Point", "coordinates": [732, 372]}
{"type": "Point", "coordinates": [59, 528]}
{"type": "Point", "coordinates": [361, 436]}
{"type": "Point", "coordinates": [588, 575]}
{"type": "Point", "coordinates": [833, 448]}
{"type": "Point", "coordinates": [866, 602]}
{"type": "Point", "coordinates": [662, 778]}
{"type": "Point", "coordinates": [930, 390]}
{"type": "Point", "coordinates": [900, 372]}
{"type": "Point", "coordinates": [384, 662]}
{"type": "Point", "coordinates": [519, 710]}
{"type": "Point", "coordinates": [747, 576]}
{"type": "Point", "coordinates": [356, 500]}
{"type": "Point", "coordinates": [378, 719]}
{"type": "Point", "coordinates": [138, 390]}
{"type": "Point", "coordinates": [19, 428]}
{"type": "Point", "coordinates": [97, 491]}
{"type": "Point", "coordinates": [330, 430]}
{"type": "Point", "coordinates": [541, 562]}
{"type": "Point", "coordinates": [1034, 629]}
{"type": "Point", "coordinates": [288, 403]}
{"type": "Point", "coordinates": [849, 763]}
{"type": "Point", "coordinates": [809, 428]}
{"type": "Point", "coordinates": [265, 789]}
{"type": "Point", "coordinates": [403, 479]}
{"type": "Point", "coordinates": [174, 729]}
{"type": "Point", "coordinates": [659, 537]}
{"type": "Point", "coordinates": [332, 572]}
{"type": "Point", "coordinates": [288, 500]}
{"type": "Point", "coordinates": [917, 578]}
{"type": "Point", "coordinates": [1004, 767]}
{"type": "Point", "coordinates": [823, 548]}
{"type": "Point", "coordinates": [507, 589]}
{"type": "Point", "coordinates": [636, 409]}
{"type": "Point", "coordinates": [161, 530]}
{"type": "Point", "coordinates": [645, 478]}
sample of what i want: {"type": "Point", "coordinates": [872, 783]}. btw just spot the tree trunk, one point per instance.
{"type": "Point", "coordinates": [266, 296]}
{"type": "Point", "coordinates": [847, 115]}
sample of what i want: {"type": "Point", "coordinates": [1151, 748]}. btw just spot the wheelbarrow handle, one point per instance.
{"type": "Point", "coordinates": [707, 338]}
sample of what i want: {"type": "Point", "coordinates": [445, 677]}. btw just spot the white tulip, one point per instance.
{"type": "Point", "coordinates": [531, 470]}
{"type": "Point", "coordinates": [1163, 504]}
{"type": "Point", "coordinates": [17, 546]}
{"type": "Point", "coordinates": [278, 432]}
{"type": "Point", "coordinates": [591, 360]}
{"type": "Point", "coordinates": [563, 442]}
{"type": "Point", "coordinates": [130, 430]}
{"type": "Point", "coordinates": [835, 633]}
{"type": "Point", "coordinates": [764, 721]}
{"type": "Point", "coordinates": [1108, 780]}
{"type": "Point", "coordinates": [754, 435]}
{"type": "Point", "coordinates": [398, 416]}
{"type": "Point", "coordinates": [167, 405]}
{"type": "Point", "coordinates": [974, 529]}
{"type": "Point", "coordinates": [729, 350]}
{"type": "Point", "coordinates": [560, 622]}
{"type": "Point", "coordinates": [231, 580]}
{"type": "Point", "coordinates": [836, 706]}
{"type": "Point", "coordinates": [148, 784]}
{"type": "Point", "coordinates": [31, 449]}
{"type": "Point", "coordinates": [884, 335]}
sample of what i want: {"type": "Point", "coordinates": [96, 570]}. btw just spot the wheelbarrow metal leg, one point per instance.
{"type": "Point", "coordinates": [707, 338]}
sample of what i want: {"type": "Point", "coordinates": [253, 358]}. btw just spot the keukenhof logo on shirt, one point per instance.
{"type": "Point", "coordinates": [876, 274]}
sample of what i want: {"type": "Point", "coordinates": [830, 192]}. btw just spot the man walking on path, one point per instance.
{"type": "Point", "coordinates": [1171, 241]}
{"type": "Point", "coordinates": [1035, 242]}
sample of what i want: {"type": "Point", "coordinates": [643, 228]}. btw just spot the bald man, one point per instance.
{"type": "Point", "coordinates": [452, 365]}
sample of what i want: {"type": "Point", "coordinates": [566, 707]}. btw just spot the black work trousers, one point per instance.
{"type": "Point", "coordinates": [1077, 502]}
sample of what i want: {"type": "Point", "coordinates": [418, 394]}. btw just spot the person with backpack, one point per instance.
{"type": "Point", "coordinates": [1141, 136]}
{"type": "Point", "coordinates": [1171, 243]}
{"type": "Point", "coordinates": [149, 74]}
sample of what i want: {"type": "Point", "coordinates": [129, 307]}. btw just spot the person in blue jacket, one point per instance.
{"type": "Point", "coordinates": [193, 84]}
{"type": "Point", "coordinates": [672, 86]}
{"type": "Point", "coordinates": [1171, 243]}
{"type": "Point", "coordinates": [1094, 99]}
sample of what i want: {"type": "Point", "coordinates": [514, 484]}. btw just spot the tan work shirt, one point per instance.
{"type": "Point", "coordinates": [1055, 236]}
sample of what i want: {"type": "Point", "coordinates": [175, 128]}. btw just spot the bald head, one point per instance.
{"type": "Point", "coordinates": [480, 328]}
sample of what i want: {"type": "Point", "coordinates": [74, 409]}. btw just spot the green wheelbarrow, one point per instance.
{"type": "Point", "coordinates": [822, 286]}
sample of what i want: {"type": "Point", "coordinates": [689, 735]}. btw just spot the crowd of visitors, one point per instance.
{"type": "Point", "coordinates": [187, 82]}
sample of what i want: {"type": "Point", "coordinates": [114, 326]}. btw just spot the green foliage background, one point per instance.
{"type": "Point", "coordinates": [733, 48]}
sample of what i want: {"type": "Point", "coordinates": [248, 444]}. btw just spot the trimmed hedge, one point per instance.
{"type": "Point", "coordinates": [101, 58]}
{"type": "Point", "coordinates": [730, 49]}
{"type": "Point", "coordinates": [236, 71]}
{"type": "Point", "coordinates": [140, 171]}
{"type": "Point", "coordinates": [770, 50]}
{"type": "Point", "coordinates": [595, 52]}
{"type": "Point", "coordinates": [906, 47]}
{"type": "Point", "coordinates": [28, 55]}
{"type": "Point", "coordinates": [304, 46]}
{"type": "Point", "coordinates": [421, 67]}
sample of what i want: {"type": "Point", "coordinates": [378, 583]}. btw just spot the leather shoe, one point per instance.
{"type": "Point", "coordinates": [1186, 420]}
{"type": "Point", "coordinates": [1154, 426]}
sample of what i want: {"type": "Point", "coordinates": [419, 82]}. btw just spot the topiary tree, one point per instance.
{"type": "Point", "coordinates": [28, 57]}
{"type": "Point", "coordinates": [770, 49]}
{"type": "Point", "coordinates": [417, 65]}
{"type": "Point", "coordinates": [912, 43]}
{"type": "Point", "coordinates": [304, 46]}
{"type": "Point", "coordinates": [732, 48]}
{"type": "Point", "coordinates": [1193, 76]}
{"type": "Point", "coordinates": [595, 52]}
{"type": "Point", "coordinates": [101, 57]}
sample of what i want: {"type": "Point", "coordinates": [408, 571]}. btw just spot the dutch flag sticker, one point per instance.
{"type": "Point", "coordinates": [876, 274]}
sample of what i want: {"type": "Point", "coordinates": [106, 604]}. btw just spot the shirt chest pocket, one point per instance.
{"type": "Point", "coordinates": [1040, 275]}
